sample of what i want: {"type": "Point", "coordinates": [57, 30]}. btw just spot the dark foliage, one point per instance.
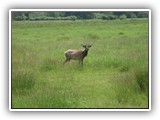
{"type": "Point", "coordinates": [24, 15]}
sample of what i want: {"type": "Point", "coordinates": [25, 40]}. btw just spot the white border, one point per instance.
{"type": "Point", "coordinates": [10, 51]}
{"type": "Point", "coordinates": [105, 109]}
{"type": "Point", "coordinates": [149, 37]}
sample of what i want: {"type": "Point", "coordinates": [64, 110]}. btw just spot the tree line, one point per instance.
{"type": "Point", "coordinates": [54, 15]}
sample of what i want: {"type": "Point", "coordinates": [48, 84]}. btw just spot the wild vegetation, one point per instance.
{"type": "Point", "coordinates": [79, 15]}
{"type": "Point", "coordinates": [114, 74]}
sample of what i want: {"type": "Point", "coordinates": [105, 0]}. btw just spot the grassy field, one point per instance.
{"type": "Point", "coordinates": [114, 74]}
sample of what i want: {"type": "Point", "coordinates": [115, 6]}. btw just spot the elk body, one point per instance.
{"type": "Point", "coordinates": [77, 54]}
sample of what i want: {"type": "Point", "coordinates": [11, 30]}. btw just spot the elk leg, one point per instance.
{"type": "Point", "coordinates": [81, 62]}
{"type": "Point", "coordinates": [65, 61]}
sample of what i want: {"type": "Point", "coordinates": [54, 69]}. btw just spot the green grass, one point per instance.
{"type": "Point", "coordinates": [114, 75]}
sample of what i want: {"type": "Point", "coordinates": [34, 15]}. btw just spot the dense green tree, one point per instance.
{"type": "Point", "coordinates": [142, 14]}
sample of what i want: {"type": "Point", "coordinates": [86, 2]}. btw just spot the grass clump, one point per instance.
{"type": "Point", "coordinates": [22, 82]}
{"type": "Point", "coordinates": [127, 92]}
{"type": "Point", "coordinates": [142, 78]}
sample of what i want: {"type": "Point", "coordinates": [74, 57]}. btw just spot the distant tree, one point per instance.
{"type": "Point", "coordinates": [142, 14]}
{"type": "Point", "coordinates": [56, 15]}
{"type": "Point", "coordinates": [84, 15]}
{"type": "Point", "coordinates": [107, 13]}
{"type": "Point", "coordinates": [118, 14]}
{"type": "Point", "coordinates": [26, 14]}
{"type": "Point", "coordinates": [18, 16]}
{"type": "Point", "coordinates": [70, 14]}
{"type": "Point", "coordinates": [98, 15]}
{"type": "Point", "coordinates": [130, 14]}
{"type": "Point", "coordinates": [133, 15]}
{"type": "Point", "coordinates": [50, 14]}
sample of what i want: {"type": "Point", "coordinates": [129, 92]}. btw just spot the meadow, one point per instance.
{"type": "Point", "coordinates": [114, 74]}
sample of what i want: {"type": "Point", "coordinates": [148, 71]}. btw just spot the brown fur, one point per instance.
{"type": "Point", "coordinates": [77, 54]}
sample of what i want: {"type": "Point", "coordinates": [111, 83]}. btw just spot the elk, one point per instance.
{"type": "Point", "coordinates": [77, 54]}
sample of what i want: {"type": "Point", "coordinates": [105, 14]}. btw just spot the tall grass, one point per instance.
{"type": "Point", "coordinates": [114, 75]}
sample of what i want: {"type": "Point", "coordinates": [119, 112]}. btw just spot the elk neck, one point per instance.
{"type": "Point", "coordinates": [85, 52]}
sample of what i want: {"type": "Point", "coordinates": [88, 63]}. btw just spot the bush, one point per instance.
{"type": "Point", "coordinates": [73, 18]}
{"type": "Point", "coordinates": [122, 17]}
{"type": "Point", "coordinates": [112, 17]}
{"type": "Point", "coordinates": [32, 19]}
{"type": "Point", "coordinates": [20, 18]}
{"type": "Point", "coordinates": [109, 17]}
{"type": "Point", "coordinates": [104, 17]}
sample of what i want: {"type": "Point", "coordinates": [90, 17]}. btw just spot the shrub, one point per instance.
{"type": "Point", "coordinates": [19, 18]}
{"type": "Point", "coordinates": [73, 18]}
{"type": "Point", "coordinates": [112, 17]}
{"type": "Point", "coordinates": [122, 17]}
{"type": "Point", "coordinates": [109, 17]}
{"type": "Point", "coordinates": [32, 19]}
{"type": "Point", "coordinates": [104, 17]}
